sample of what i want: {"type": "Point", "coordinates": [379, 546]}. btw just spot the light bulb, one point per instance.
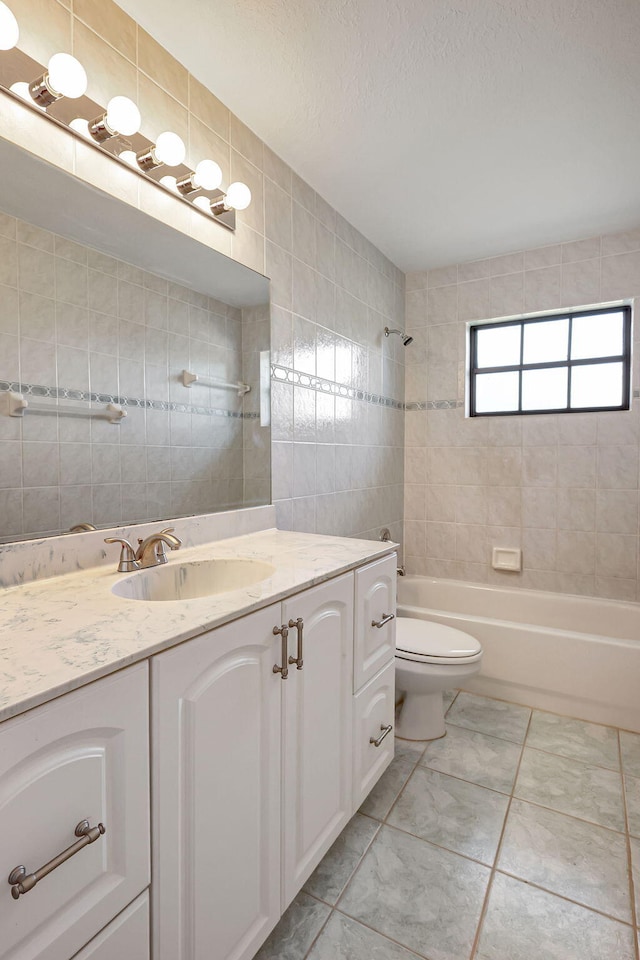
{"type": "Point", "coordinates": [129, 156]}
{"type": "Point", "coordinates": [208, 175]}
{"type": "Point", "coordinates": [66, 76]}
{"type": "Point", "coordinates": [169, 183]}
{"type": "Point", "coordinates": [203, 203]}
{"type": "Point", "coordinates": [9, 30]}
{"type": "Point", "coordinates": [21, 88]}
{"type": "Point", "coordinates": [81, 126]}
{"type": "Point", "coordinates": [238, 196]}
{"type": "Point", "coordinates": [169, 149]}
{"type": "Point", "coordinates": [123, 116]}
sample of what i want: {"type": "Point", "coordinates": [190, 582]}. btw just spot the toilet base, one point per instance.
{"type": "Point", "coordinates": [421, 717]}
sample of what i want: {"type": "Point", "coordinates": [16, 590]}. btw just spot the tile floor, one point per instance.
{"type": "Point", "coordinates": [509, 839]}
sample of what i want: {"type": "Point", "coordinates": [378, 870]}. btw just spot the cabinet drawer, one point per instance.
{"type": "Point", "coordinates": [375, 600]}
{"type": "Point", "coordinates": [126, 937]}
{"type": "Point", "coordinates": [81, 757]}
{"type": "Point", "coordinates": [374, 712]}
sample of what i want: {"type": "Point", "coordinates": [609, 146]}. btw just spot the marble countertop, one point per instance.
{"type": "Point", "coordinates": [61, 633]}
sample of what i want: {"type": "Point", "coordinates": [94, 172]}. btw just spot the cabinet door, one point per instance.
{"type": "Point", "coordinates": [82, 756]}
{"type": "Point", "coordinates": [216, 792]}
{"type": "Point", "coordinates": [317, 722]}
{"type": "Point", "coordinates": [373, 715]}
{"type": "Point", "coordinates": [126, 937]}
{"type": "Point", "coordinates": [375, 600]}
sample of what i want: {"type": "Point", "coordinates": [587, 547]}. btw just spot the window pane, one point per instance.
{"type": "Point", "coordinates": [596, 336]}
{"type": "Point", "coordinates": [597, 385]}
{"type": "Point", "coordinates": [496, 392]}
{"type": "Point", "coordinates": [498, 346]}
{"type": "Point", "coordinates": [546, 341]}
{"type": "Point", "coordinates": [544, 389]}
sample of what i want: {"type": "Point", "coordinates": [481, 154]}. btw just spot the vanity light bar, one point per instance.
{"type": "Point", "coordinates": [64, 79]}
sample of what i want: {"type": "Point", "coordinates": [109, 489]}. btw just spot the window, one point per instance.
{"type": "Point", "coordinates": [562, 363]}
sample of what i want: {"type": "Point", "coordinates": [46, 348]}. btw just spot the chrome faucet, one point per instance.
{"type": "Point", "coordinates": [150, 552]}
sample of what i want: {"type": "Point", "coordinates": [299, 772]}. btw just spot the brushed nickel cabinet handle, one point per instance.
{"type": "Point", "coordinates": [299, 625]}
{"type": "Point", "coordinates": [283, 670]}
{"type": "Point", "coordinates": [385, 733]}
{"type": "Point", "coordinates": [386, 618]}
{"type": "Point", "coordinates": [21, 881]}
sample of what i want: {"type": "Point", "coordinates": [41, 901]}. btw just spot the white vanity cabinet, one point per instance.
{"type": "Point", "coordinates": [317, 729]}
{"type": "Point", "coordinates": [216, 735]}
{"type": "Point", "coordinates": [252, 777]}
{"type": "Point", "coordinates": [81, 757]}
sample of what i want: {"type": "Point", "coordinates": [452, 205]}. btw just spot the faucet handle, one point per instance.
{"type": "Point", "coordinates": [128, 560]}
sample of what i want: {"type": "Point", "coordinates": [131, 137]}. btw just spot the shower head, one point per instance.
{"type": "Point", "coordinates": [406, 340]}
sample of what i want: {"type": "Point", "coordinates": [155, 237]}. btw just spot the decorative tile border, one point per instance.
{"type": "Point", "coordinates": [287, 375]}
{"type": "Point", "coordinates": [141, 403]}
{"type": "Point", "coordinates": [434, 404]}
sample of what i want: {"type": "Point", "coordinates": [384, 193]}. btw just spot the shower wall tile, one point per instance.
{"type": "Point", "coordinates": [563, 488]}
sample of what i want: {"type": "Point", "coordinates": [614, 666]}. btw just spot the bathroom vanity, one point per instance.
{"type": "Point", "coordinates": [223, 742]}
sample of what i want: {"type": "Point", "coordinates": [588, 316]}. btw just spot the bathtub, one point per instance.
{"type": "Point", "coordinates": [579, 656]}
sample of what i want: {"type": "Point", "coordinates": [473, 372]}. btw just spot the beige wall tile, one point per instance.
{"type": "Point", "coordinates": [160, 111]}
{"type": "Point", "coordinates": [36, 42]}
{"type": "Point", "coordinates": [109, 73]}
{"type": "Point", "coordinates": [158, 64]}
{"type": "Point", "coordinates": [207, 108]}
{"type": "Point", "coordinates": [110, 22]}
{"type": "Point", "coordinates": [245, 141]}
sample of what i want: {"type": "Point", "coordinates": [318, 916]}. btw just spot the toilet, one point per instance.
{"type": "Point", "coordinates": [430, 658]}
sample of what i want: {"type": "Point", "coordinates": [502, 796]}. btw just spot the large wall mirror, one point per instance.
{"type": "Point", "coordinates": [104, 309]}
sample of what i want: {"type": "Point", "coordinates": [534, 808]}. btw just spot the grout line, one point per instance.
{"type": "Point", "coordinates": [485, 905]}
{"type": "Point", "coordinates": [562, 756]}
{"type": "Point", "coordinates": [632, 891]}
{"type": "Point", "coordinates": [518, 743]}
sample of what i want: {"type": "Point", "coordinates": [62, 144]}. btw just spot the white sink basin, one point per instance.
{"type": "Point", "coordinates": [190, 581]}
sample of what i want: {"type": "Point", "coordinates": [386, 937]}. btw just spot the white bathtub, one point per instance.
{"type": "Point", "coordinates": [577, 656]}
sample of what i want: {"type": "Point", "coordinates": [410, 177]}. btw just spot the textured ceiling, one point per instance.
{"type": "Point", "coordinates": [445, 130]}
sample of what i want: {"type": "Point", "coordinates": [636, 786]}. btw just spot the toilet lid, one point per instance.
{"type": "Point", "coordinates": [420, 639]}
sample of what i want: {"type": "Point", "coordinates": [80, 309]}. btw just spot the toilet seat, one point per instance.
{"type": "Point", "coordinates": [425, 641]}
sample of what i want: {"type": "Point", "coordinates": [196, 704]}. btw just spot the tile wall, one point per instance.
{"type": "Point", "coordinates": [336, 416]}
{"type": "Point", "coordinates": [72, 318]}
{"type": "Point", "coordinates": [563, 488]}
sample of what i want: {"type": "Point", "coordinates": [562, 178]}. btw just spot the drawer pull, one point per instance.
{"type": "Point", "coordinates": [385, 733]}
{"type": "Point", "coordinates": [283, 631]}
{"type": "Point", "coordinates": [299, 625]}
{"type": "Point", "coordinates": [21, 882]}
{"type": "Point", "coordinates": [386, 618]}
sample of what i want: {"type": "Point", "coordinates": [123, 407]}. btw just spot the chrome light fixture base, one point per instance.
{"type": "Point", "coordinates": [16, 66]}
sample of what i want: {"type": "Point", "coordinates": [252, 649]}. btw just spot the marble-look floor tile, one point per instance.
{"type": "Point", "coordinates": [461, 816]}
{"type": "Point", "coordinates": [523, 923]}
{"type": "Point", "coordinates": [423, 897]}
{"type": "Point", "coordinates": [448, 697]}
{"type": "Point", "coordinates": [567, 856]}
{"type": "Point", "coordinates": [296, 931]}
{"type": "Point", "coordinates": [332, 873]}
{"type": "Point", "coordinates": [474, 756]}
{"type": "Point", "coordinates": [589, 742]}
{"type": "Point", "coordinates": [493, 717]}
{"type": "Point", "coordinates": [630, 747]}
{"type": "Point", "coordinates": [345, 939]}
{"type": "Point", "coordinates": [410, 749]}
{"type": "Point", "coordinates": [384, 794]}
{"type": "Point", "coordinates": [579, 789]}
{"type": "Point", "coordinates": [632, 790]}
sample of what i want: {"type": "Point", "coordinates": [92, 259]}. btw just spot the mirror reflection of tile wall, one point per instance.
{"type": "Point", "coordinates": [74, 319]}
